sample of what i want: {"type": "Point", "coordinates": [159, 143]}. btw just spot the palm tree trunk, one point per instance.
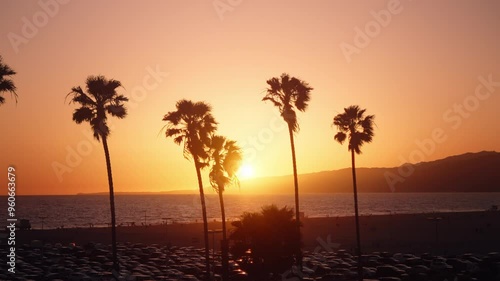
{"type": "Point", "coordinates": [225, 245]}
{"type": "Point", "coordinates": [356, 214]}
{"type": "Point", "coordinates": [205, 221]}
{"type": "Point", "coordinates": [111, 204]}
{"type": "Point", "coordinates": [296, 185]}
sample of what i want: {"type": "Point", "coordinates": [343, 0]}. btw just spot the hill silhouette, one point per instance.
{"type": "Point", "coordinates": [470, 172]}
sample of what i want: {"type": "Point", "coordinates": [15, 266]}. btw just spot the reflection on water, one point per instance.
{"type": "Point", "coordinates": [70, 211]}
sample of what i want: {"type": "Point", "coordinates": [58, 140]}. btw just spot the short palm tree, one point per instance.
{"type": "Point", "coordinates": [353, 124]}
{"type": "Point", "coordinates": [193, 125]}
{"type": "Point", "coordinates": [287, 94]}
{"type": "Point", "coordinates": [99, 100]}
{"type": "Point", "coordinates": [271, 238]}
{"type": "Point", "coordinates": [6, 84]}
{"type": "Point", "coordinates": [226, 159]}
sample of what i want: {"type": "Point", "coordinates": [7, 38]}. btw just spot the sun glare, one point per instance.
{"type": "Point", "coordinates": [246, 171]}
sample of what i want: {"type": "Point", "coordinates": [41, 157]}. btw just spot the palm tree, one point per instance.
{"type": "Point", "coordinates": [226, 159]}
{"type": "Point", "coordinates": [101, 98]}
{"type": "Point", "coordinates": [287, 94]}
{"type": "Point", "coordinates": [6, 85]}
{"type": "Point", "coordinates": [354, 124]}
{"type": "Point", "coordinates": [192, 125]}
{"type": "Point", "coordinates": [271, 238]}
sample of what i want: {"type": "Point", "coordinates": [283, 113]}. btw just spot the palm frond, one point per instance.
{"type": "Point", "coordinates": [83, 114]}
{"type": "Point", "coordinates": [274, 85]}
{"type": "Point", "coordinates": [173, 117]}
{"type": "Point", "coordinates": [340, 137]}
{"type": "Point", "coordinates": [110, 88]}
{"type": "Point", "coordinates": [179, 139]}
{"type": "Point", "coordinates": [302, 94]}
{"type": "Point", "coordinates": [75, 91]}
{"type": "Point", "coordinates": [368, 122]}
{"type": "Point", "coordinates": [365, 138]}
{"type": "Point", "coordinates": [201, 108]}
{"type": "Point", "coordinates": [5, 70]}
{"type": "Point", "coordinates": [84, 100]}
{"type": "Point", "coordinates": [172, 131]}
{"type": "Point", "coordinates": [95, 87]}
{"type": "Point", "coordinates": [7, 85]}
{"type": "Point", "coordinates": [218, 179]}
{"type": "Point", "coordinates": [119, 99]}
{"type": "Point", "coordinates": [117, 110]}
{"type": "Point", "coordinates": [273, 100]}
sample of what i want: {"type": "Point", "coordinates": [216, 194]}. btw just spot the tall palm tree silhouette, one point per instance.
{"type": "Point", "coordinates": [192, 125]}
{"type": "Point", "coordinates": [287, 94]}
{"type": "Point", "coordinates": [226, 159]}
{"type": "Point", "coordinates": [353, 124]}
{"type": "Point", "coordinates": [6, 84]}
{"type": "Point", "coordinates": [101, 99]}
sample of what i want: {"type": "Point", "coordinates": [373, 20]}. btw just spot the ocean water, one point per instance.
{"type": "Point", "coordinates": [80, 210]}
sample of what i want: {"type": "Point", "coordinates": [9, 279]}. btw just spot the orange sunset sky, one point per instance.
{"type": "Point", "coordinates": [417, 71]}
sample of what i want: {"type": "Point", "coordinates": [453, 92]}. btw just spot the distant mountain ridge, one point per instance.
{"type": "Point", "coordinates": [469, 172]}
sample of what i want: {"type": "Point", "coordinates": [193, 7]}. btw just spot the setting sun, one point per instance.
{"type": "Point", "coordinates": [246, 171]}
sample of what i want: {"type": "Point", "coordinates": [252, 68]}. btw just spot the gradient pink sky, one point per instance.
{"type": "Point", "coordinates": [411, 73]}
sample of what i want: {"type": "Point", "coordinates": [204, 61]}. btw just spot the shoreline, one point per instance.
{"type": "Point", "coordinates": [243, 192]}
{"type": "Point", "coordinates": [172, 221]}
{"type": "Point", "coordinates": [454, 232]}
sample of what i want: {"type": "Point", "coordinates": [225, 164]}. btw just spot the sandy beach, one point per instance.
{"type": "Point", "coordinates": [409, 233]}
